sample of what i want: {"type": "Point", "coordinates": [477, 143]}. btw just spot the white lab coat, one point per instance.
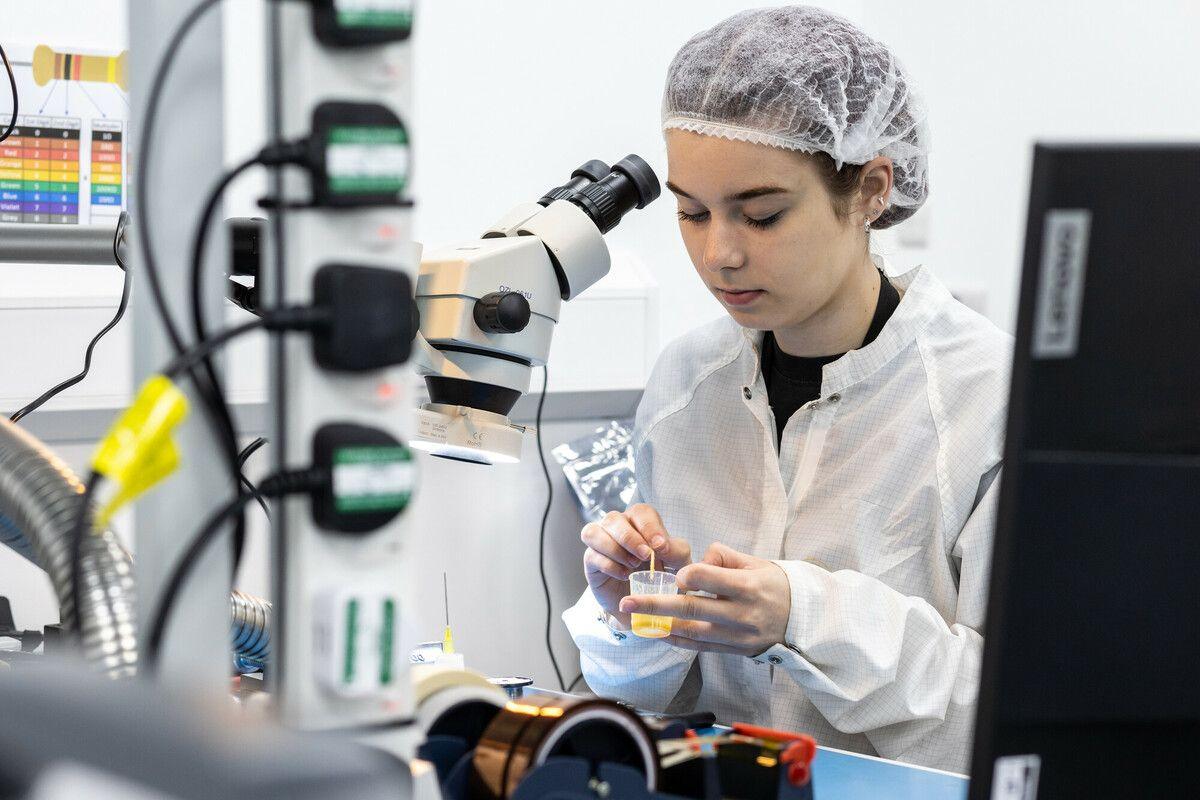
{"type": "Point", "coordinates": [879, 506]}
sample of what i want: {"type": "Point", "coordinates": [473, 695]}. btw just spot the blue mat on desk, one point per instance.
{"type": "Point", "coordinates": [847, 776]}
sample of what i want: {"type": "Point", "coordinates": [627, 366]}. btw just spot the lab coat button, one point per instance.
{"type": "Point", "coordinates": [746, 393]}
{"type": "Point", "coordinates": [833, 398]}
{"type": "Point", "coordinates": [775, 660]}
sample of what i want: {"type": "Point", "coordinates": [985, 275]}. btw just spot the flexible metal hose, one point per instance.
{"type": "Point", "coordinates": [39, 497]}
{"type": "Point", "coordinates": [251, 630]}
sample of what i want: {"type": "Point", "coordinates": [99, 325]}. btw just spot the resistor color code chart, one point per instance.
{"type": "Point", "coordinates": [39, 171]}
{"type": "Point", "coordinates": [68, 159]}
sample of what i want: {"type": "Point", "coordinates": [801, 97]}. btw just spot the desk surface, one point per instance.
{"type": "Point", "coordinates": [838, 775]}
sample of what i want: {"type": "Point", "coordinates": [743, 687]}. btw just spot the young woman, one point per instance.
{"type": "Point", "coordinates": [829, 452]}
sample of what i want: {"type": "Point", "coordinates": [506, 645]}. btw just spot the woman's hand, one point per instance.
{"type": "Point", "coordinates": [748, 615]}
{"type": "Point", "coordinates": [620, 544]}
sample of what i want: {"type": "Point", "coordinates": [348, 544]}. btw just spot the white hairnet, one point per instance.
{"type": "Point", "coordinates": [804, 79]}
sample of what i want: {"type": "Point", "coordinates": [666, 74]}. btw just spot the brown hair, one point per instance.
{"type": "Point", "coordinates": [843, 184]}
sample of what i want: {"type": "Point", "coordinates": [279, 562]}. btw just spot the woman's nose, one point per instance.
{"type": "Point", "coordinates": [721, 251]}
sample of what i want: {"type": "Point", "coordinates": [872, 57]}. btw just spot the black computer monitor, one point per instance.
{"type": "Point", "coordinates": [1091, 667]}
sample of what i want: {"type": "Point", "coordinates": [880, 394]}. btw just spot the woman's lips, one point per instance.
{"type": "Point", "coordinates": [739, 298]}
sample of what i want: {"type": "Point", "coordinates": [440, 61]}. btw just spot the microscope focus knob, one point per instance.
{"type": "Point", "coordinates": [502, 312]}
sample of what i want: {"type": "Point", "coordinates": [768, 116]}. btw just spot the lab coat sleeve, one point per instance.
{"type": "Point", "coordinates": [877, 662]}
{"type": "Point", "coordinates": [646, 673]}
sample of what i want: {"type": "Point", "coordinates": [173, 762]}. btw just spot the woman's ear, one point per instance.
{"type": "Point", "coordinates": [875, 187]}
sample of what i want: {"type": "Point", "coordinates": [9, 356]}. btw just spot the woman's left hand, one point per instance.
{"type": "Point", "coordinates": [748, 615]}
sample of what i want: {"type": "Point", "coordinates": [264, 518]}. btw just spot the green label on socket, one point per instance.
{"type": "Point", "coordinates": [368, 478]}
{"type": "Point", "coordinates": [385, 641]}
{"type": "Point", "coordinates": [351, 641]}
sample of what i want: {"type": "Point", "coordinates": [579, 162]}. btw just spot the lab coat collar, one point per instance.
{"type": "Point", "coordinates": [923, 294]}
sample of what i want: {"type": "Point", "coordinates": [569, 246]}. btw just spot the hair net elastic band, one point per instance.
{"type": "Point", "coordinates": [898, 151]}
{"type": "Point", "coordinates": [737, 133]}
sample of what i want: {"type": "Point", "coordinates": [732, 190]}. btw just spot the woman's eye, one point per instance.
{"type": "Point", "coordinates": [764, 222]}
{"type": "Point", "coordinates": [698, 217]}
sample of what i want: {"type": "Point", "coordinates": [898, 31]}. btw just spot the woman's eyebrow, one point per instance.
{"type": "Point", "coordinates": [679, 191]}
{"type": "Point", "coordinates": [757, 191]}
{"type": "Point", "coordinates": [745, 194]}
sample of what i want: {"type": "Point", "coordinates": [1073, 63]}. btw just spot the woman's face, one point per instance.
{"type": "Point", "coordinates": [760, 228]}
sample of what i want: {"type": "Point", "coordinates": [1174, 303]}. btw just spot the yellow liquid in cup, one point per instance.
{"type": "Point", "coordinates": [650, 626]}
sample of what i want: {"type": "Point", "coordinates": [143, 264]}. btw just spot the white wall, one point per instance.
{"type": "Point", "coordinates": [1000, 76]}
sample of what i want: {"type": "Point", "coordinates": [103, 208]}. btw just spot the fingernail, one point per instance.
{"type": "Point", "coordinates": [645, 552]}
{"type": "Point", "coordinates": [658, 542]}
{"type": "Point", "coordinates": [626, 605]}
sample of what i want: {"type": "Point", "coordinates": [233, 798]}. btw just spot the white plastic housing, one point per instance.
{"type": "Point", "coordinates": [575, 242]}
{"type": "Point", "coordinates": [468, 434]}
{"type": "Point", "coordinates": [357, 641]}
{"type": "Point", "coordinates": [452, 280]}
{"type": "Point", "coordinates": [513, 220]}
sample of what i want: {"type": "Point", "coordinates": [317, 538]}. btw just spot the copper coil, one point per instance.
{"type": "Point", "coordinates": [527, 732]}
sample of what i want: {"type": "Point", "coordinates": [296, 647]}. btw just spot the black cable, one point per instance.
{"type": "Point", "coordinates": [250, 450]}
{"type": "Point", "coordinates": [292, 318]}
{"type": "Point", "coordinates": [575, 682]}
{"type": "Point", "coordinates": [199, 238]}
{"type": "Point", "coordinates": [207, 389]}
{"type": "Point", "coordinates": [246, 452]}
{"type": "Point", "coordinates": [277, 485]}
{"type": "Point", "coordinates": [215, 395]}
{"type": "Point", "coordinates": [188, 359]}
{"type": "Point", "coordinates": [542, 536]}
{"type": "Point", "coordinates": [79, 534]}
{"type": "Point", "coordinates": [33, 405]}
{"type": "Point", "coordinates": [12, 81]}
{"type": "Point", "coordinates": [199, 543]}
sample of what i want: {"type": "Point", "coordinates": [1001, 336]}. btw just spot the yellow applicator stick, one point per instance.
{"type": "Point", "coordinates": [447, 637]}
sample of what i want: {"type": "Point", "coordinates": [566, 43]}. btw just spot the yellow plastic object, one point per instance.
{"type": "Point", "coordinates": [138, 451]}
{"type": "Point", "coordinates": [447, 642]}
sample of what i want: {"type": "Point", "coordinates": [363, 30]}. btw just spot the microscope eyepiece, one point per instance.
{"type": "Point", "coordinates": [644, 180]}
{"type": "Point", "coordinates": [593, 170]}
{"type": "Point", "coordinates": [587, 173]}
{"type": "Point", "coordinates": [630, 184]}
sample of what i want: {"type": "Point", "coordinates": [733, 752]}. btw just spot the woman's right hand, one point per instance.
{"type": "Point", "coordinates": [619, 545]}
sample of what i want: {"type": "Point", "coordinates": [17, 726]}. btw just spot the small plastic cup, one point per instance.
{"type": "Point", "coordinates": [651, 626]}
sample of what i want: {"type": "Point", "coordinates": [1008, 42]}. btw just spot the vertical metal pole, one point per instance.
{"type": "Point", "coordinates": [188, 159]}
